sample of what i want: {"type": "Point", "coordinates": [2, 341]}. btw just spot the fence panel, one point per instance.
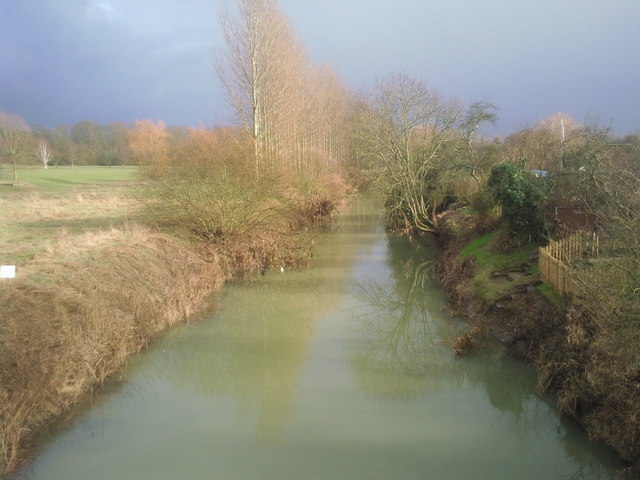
{"type": "Point", "coordinates": [554, 260]}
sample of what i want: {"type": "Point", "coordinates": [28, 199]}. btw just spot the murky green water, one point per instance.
{"type": "Point", "coordinates": [337, 372]}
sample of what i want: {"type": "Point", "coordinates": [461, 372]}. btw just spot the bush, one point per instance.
{"type": "Point", "coordinates": [214, 202]}
{"type": "Point", "coordinates": [486, 211]}
{"type": "Point", "coordinates": [313, 199]}
{"type": "Point", "coordinates": [208, 186]}
{"type": "Point", "coordinates": [520, 196]}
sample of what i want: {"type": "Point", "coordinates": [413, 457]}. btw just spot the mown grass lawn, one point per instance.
{"type": "Point", "coordinates": [47, 205]}
{"type": "Point", "coordinates": [61, 178]}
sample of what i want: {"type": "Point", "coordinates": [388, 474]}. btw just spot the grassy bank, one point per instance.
{"type": "Point", "coordinates": [588, 365]}
{"type": "Point", "coordinates": [95, 282]}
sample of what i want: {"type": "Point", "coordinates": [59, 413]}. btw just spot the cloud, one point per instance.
{"type": "Point", "coordinates": [105, 60]}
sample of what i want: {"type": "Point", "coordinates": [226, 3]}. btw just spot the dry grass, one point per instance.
{"type": "Point", "coordinates": [248, 255]}
{"type": "Point", "coordinates": [31, 219]}
{"type": "Point", "coordinates": [92, 289]}
{"type": "Point", "coordinates": [89, 302]}
{"type": "Point", "coordinates": [466, 343]}
{"type": "Point", "coordinates": [315, 200]}
{"type": "Point", "coordinates": [593, 371]}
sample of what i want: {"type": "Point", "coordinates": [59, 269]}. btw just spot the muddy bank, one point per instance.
{"type": "Point", "coordinates": [588, 381]}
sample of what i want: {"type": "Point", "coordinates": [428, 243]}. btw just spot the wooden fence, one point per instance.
{"type": "Point", "coordinates": [557, 260]}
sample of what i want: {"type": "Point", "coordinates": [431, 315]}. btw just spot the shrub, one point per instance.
{"type": "Point", "coordinates": [520, 196]}
{"type": "Point", "coordinates": [214, 202]}
{"type": "Point", "coordinates": [485, 209]}
{"type": "Point", "coordinates": [208, 186]}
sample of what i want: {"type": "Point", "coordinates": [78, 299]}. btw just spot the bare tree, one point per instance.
{"type": "Point", "coordinates": [15, 139]}
{"type": "Point", "coordinates": [467, 161]}
{"type": "Point", "coordinates": [44, 153]}
{"type": "Point", "coordinates": [404, 130]}
{"type": "Point", "coordinates": [291, 110]}
{"type": "Point", "coordinates": [544, 146]}
{"type": "Point", "coordinates": [261, 48]}
{"type": "Point", "coordinates": [149, 143]}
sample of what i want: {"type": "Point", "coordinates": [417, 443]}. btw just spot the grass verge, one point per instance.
{"type": "Point", "coordinates": [550, 294]}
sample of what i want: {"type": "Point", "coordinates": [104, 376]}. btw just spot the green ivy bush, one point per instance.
{"type": "Point", "coordinates": [520, 196]}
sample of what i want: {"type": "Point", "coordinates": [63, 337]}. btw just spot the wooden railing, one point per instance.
{"type": "Point", "coordinates": [557, 260]}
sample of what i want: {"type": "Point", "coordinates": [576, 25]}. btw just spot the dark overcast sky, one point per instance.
{"type": "Point", "coordinates": [64, 61]}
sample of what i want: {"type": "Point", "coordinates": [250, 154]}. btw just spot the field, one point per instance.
{"type": "Point", "coordinates": [50, 205]}
{"type": "Point", "coordinates": [60, 178]}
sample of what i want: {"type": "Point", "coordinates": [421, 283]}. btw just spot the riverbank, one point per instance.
{"type": "Point", "coordinates": [501, 295]}
{"type": "Point", "coordinates": [95, 285]}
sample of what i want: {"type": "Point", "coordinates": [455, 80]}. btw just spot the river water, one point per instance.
{"type": "Point", "coordinates": [341, 371]}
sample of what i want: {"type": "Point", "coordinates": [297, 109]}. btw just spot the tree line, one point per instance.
{"type": "Point", "coordinates": [85, 143]}
{"type": "Point", "coordinates": [295, 120]}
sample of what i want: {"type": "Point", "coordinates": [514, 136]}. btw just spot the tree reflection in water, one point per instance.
{"type": "Point", "coordinates": [401, 352]}
{"type": "Point", "coordinates": [253, 353]}
{"type": "Point", "coordinates": [255, 348]}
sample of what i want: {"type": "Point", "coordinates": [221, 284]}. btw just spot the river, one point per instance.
{"type": "Point", "coordinates": [340, 371]}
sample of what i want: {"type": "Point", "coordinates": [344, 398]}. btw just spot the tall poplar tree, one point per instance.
{"type": "Point", "coordinates": [290, 109]}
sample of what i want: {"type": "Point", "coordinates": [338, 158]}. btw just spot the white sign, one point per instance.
{"type": "Point", "coordinates": [7, 271]}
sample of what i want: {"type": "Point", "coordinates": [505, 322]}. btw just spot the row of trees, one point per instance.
{"type": "Point", "coordinates": [86, 143]}
{"type": "Point", "coordinates": [293, 111]}
{"type": "Point", "coordinates": [423, 152]}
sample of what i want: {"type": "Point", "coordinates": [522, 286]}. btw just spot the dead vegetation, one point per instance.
{"type": "Point", "coordinates": [591, 366]}
{"type": "Point", "coordinates": [32, 219]}
{"type": "Point", "coordinates": [89, 304]}
{"type": "Point", "coordinates": [467, 342]}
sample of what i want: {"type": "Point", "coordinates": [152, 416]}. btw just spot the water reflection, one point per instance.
{"type": "Point", "coordinates": [253, 352]}
{"type": "Point", "coordinates": [397, 353]}
{"type": "Point", "coordinates": [401, 352]}
{"type": "Point", "coordinates": [255, 348]}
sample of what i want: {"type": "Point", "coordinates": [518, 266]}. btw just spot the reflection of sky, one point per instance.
{"type": "Point", "coordinates": [268, 388]}
{"type": "Point", "coordinates": [118, 60]}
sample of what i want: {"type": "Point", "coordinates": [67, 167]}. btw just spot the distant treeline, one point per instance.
{"type": "Point", "coordinates": [85, 143]}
